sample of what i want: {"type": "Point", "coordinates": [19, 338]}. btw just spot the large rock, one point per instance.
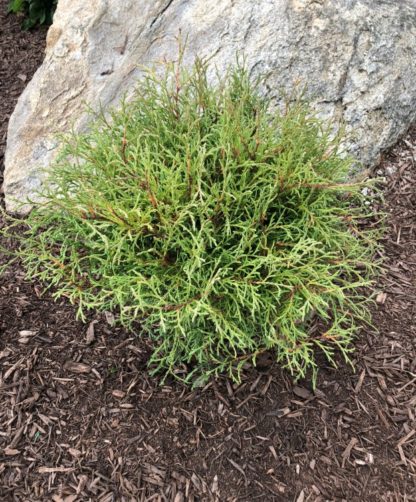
{"type": "Point", "coordinates": [357, 58]}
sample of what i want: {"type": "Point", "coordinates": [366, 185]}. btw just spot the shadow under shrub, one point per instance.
{"type": "Point", "coordinates": [225, 229]}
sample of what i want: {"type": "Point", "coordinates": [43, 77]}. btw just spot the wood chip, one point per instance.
{"type": "Point", "coordinates": [48, 470]}
{"type": "Point", "coordinates": [402, 455]}
{"type": "Point", "coordinates": [27, 333]}
{"type": "Point", "coordinates": [5, 353]}
{"type": "Point", "coordinates": [360, 382]}
{"type": "Point", "coordinates": [347, 452]}
{"type": "Point", "coordinates": [74, 367]}
{"type": "Point", "coordinates": [381, 298]}
{"type": "Point", "coordinates": [13, 368]}
{"type": "Point", "coordinates": [90, 333]}
{"type": "Point", "coordinates": [266, 386]}
{"type": "Point", "coordinates": [214, 486]}
{"type": "Point", "coordinates": [301, 496]}
{"type": "Point", "coordinates": [406, 438]}
{"type": "Point", "coordinates": [234, 464]}
{"type": "Point", "coordinates": [73, 498]}
{"type": "Point", "coordinates": [119, 394]}
{"type": "Point", "coordinates": [302, 392]}
{"type": "Point", "coordinates": [109, 317]}
{"type": "Point", "coordinates": [29, 401]}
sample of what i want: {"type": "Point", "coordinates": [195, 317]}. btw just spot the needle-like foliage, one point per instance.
{"type": "Point", "coordinates": [219, 227]}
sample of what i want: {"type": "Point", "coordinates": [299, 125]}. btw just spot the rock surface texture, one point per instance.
{"type": "Point", "coordinates": [356, 57]}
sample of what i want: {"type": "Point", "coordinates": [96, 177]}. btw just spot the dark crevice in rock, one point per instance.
{"type": "Point", "coordinates": [160, 14]}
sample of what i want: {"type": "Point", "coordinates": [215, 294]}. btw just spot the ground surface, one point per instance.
{"type": "Point", "coordinates": [82, 420]}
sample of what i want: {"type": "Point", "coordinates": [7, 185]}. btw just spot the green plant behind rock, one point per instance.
{"type": "Point", "coordinates": [35, 11]}
{"type": "Point", "coordinates": [222, 229]}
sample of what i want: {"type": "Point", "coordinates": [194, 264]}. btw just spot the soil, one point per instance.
{"type": "Point", "coordinates": [81, 419]}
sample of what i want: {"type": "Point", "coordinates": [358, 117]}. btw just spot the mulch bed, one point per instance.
{"type": "Point", "coordinates": [82, 420]}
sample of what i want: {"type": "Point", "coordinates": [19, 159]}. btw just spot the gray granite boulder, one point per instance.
{"type": "Point", "coordinates": [356, 57]}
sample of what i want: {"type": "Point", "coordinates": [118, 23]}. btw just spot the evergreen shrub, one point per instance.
{"type": "Point", "coordinates": [35, 11]}
{"type": "Point", "coordinates": [217, 226]}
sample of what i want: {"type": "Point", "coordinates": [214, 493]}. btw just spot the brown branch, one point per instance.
{"type": "Point", "coordinates": [124, 146]}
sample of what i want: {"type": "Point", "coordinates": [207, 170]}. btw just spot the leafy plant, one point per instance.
{"type": "Point", "coordinates": [35, 11]}
{"type": "Point", "coordinates": [223, 228]}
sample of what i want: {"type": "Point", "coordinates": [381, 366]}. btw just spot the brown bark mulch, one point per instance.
{"type": "Point", "coordinates": [82, 420]}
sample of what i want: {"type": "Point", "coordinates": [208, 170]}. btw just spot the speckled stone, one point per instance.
{"type": "Point", "coordinates": [357, 59]}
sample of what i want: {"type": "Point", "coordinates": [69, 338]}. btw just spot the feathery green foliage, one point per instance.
{"type": "Point", "coordinates": [223, 228]}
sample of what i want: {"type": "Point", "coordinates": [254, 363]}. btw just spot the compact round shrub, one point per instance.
{"type": "Point", "coordinates": [218, 227]}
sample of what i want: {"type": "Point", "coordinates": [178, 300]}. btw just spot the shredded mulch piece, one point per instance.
{"type": "Point", "coordinates": [81, 419]}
